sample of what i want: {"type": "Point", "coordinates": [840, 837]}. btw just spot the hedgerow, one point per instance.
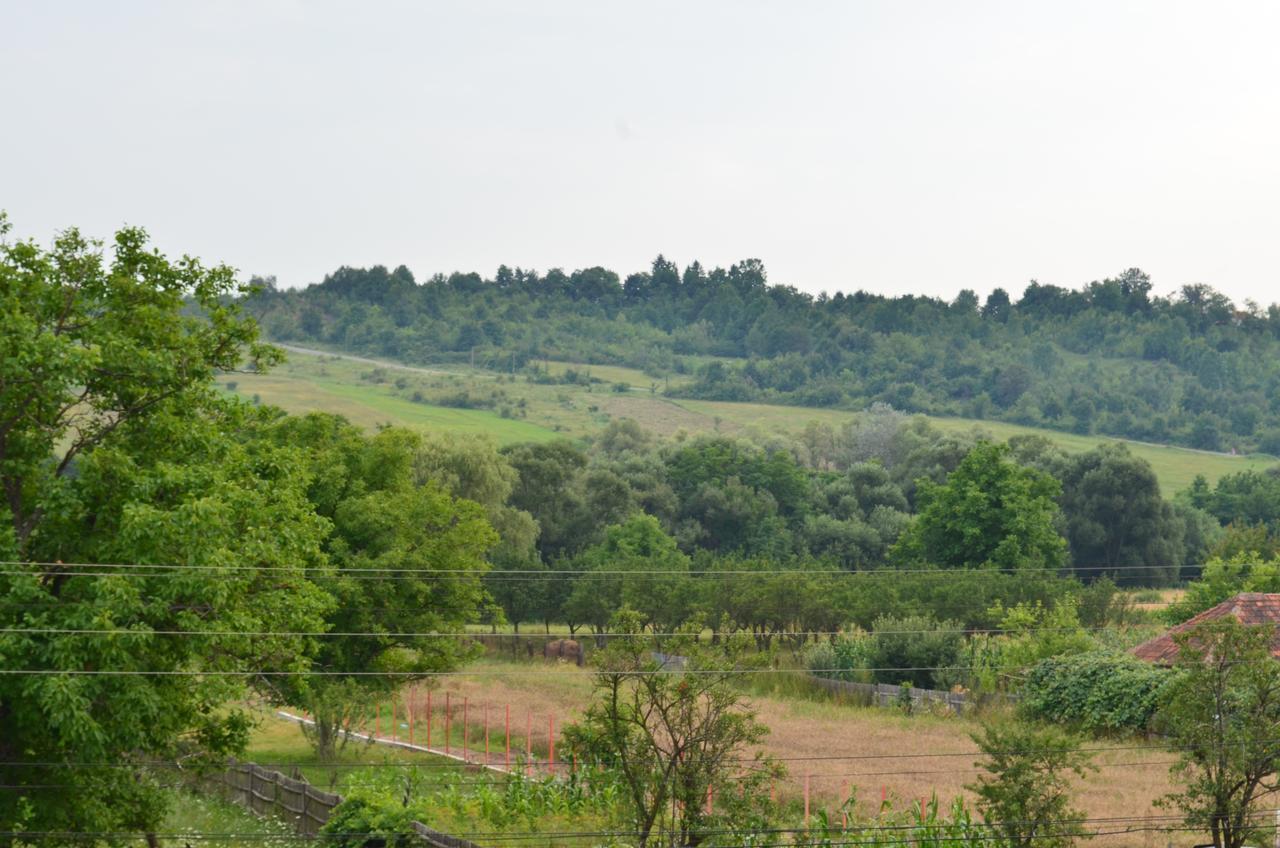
{"type": "Point", "coordinates": [1097, 691]}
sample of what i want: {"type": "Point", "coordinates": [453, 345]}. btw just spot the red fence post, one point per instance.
{"type": "Point", "coordinates": [806, 800]}
{"type": "Point", "coordinates": [412, 708]}
{"type": "Point", "coordinates": [428, 719]}
{"type": "Point", "coordinates": [447, 717]}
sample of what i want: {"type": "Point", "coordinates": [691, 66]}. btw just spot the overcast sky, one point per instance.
{"type": "Point", "coordinates": [894, 146]}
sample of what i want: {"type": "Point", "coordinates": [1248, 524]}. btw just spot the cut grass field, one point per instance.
{"type": "Point", "coordinates": [352, 387]}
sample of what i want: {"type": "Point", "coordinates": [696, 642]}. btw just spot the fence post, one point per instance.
{"type": "Point", "coordinates": [528, 739]}
{"type": "Point", "coordinates": [413, 709]}
{"type": "Point", "coordinates": [486, 734]}
{"type": "Point", "coordinates": [806, 801]}
{"type": "Point", "coordinates": [447, 717]}
{"type": "Point", "coordinates": [428, 719]}
{"type": "Point", "coordinates": [551, 743]}
{"type": "Point", "coordinates": [395, 731]}
{"type": "Point", "coordinates": [466, 726]}
{"type": "Point", "coordinates": [507, 734]}
{"type": "Point", "coordinates": [377, 719]}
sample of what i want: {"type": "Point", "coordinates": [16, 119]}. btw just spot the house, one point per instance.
{"type": "Point", "coordinates": [1249, 608]}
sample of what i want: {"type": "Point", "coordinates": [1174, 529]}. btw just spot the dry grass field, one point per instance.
{"type": "Point", "coordinates": [877, 751]}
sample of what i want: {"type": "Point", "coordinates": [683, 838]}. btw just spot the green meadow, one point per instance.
{"type": "Point", "coordinates": [513, 409]}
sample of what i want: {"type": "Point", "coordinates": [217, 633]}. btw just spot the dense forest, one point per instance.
{"type": "Point", "coordinates": [1110, 357]}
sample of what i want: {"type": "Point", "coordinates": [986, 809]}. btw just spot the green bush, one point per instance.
{"type": "Point", "coordinates": [1096, 691]}
{"type": "Point", "coordinates": [924, 651]}
{"type": "Point", "coordinates": [846, 658]}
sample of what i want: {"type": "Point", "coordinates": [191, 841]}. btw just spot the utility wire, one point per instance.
{"type": "Point", "coordinates": [52, 569]}
{"type": "Point", "coordinates": [989, 631]}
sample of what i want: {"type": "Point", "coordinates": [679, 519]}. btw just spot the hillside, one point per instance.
{"type": "Point", "coordinates": [1109, 358]}
{"type": "Point", "coordinates": [372, 392]}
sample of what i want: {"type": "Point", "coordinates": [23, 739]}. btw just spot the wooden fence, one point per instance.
{"type": "Point", "coordinates": [294, 800]}
{"type": "Point", "coordinates": [888, 694]}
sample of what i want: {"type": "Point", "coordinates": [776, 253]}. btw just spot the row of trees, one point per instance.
{"type": "Point", "coordinates": [1110, 357]}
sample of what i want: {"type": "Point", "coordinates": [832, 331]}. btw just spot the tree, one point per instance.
{"type": "Point", "coordinates": [115, 447]}
{"type": "Point", "coordinates": [675, 739]}
{"type": "Point", "coordinates": [407, 560]}
{"type": "Point", "coordinates": [638, 566]}
{"type": "Point", "coordinates": [1223, 714]}
{"type": "Point", "coordinates": [1116, 518]}
{"type": "Point", "coordinates": [990, 513]}
{"type": "Point", "coordinates": [1025, 793]}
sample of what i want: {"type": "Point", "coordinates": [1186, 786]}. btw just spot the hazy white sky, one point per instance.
{"type": "Point", "coordinates": [896, 146]}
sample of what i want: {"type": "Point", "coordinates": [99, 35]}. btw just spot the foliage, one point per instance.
{"type": "Point", "coordinates": [1115, 518]}
{"type": "Point", "coordinates": [1107, 357]}
{"type": "Point", "coordinates": [1100, 691]}
{"type": "Point", "coordinates": [116, 448]}
{"type": "Point", "coordinates": [637, 566]}
{"type": "Point", "coordinates": [382, 805]}
{"type": "Point", "coordinates": [1222, 714]}
{"type": "Point", "coordinates": [990, 513]}
{"type": "Point", "coordinates": [1025, 793]}
{"type": "Point", "coordinates": [407, 560]}
{"type": "Point", "coordinates": [916, 649]}
{"type": "Point", "coordinates": [924, 823]}
{"type": "Point", "coordinates": [674, 738]}
{"type": "Point", "coordinates": [1248, 498]}
{"type": "Point", "coordinates": [1221, 579]}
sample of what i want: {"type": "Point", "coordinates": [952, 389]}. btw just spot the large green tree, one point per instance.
{"type": "Point", "coordinates": [407, 560]}
{"type": "Point", "coordinates": [114, 448]}
{"type": "Point", "coordinates": [1116, 518]}
{"type": "Point", "coordinates": [990, 513]}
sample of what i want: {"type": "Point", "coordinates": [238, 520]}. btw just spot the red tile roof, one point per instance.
{"type": "Point", "coordinates": [1250, 608]}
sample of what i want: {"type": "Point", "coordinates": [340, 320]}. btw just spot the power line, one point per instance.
{"type": "Point", "coordinates": [56, 569]}
{"type": "Point", "coordinates": [544, 763]}
{"type": "Point", "coordinates": [990, 631]}
{"type": "Point", "coordinates": [490, 672]}
{"type": "Point", "coordinates": [1128, 824]}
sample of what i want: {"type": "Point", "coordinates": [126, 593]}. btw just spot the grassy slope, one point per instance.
{"type": "Point", "coordinates": [342, 386]}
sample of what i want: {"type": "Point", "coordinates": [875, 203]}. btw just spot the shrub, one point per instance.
{"type": "Point", "coordinates": [924, 650]}
{"type": "Point", "coordinates": [846, 658]}
{"type": "Point", "coordinates": [1096, 691]}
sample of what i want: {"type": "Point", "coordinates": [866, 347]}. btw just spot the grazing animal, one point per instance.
{"type": "Point", "coordinates": [563, 649]}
